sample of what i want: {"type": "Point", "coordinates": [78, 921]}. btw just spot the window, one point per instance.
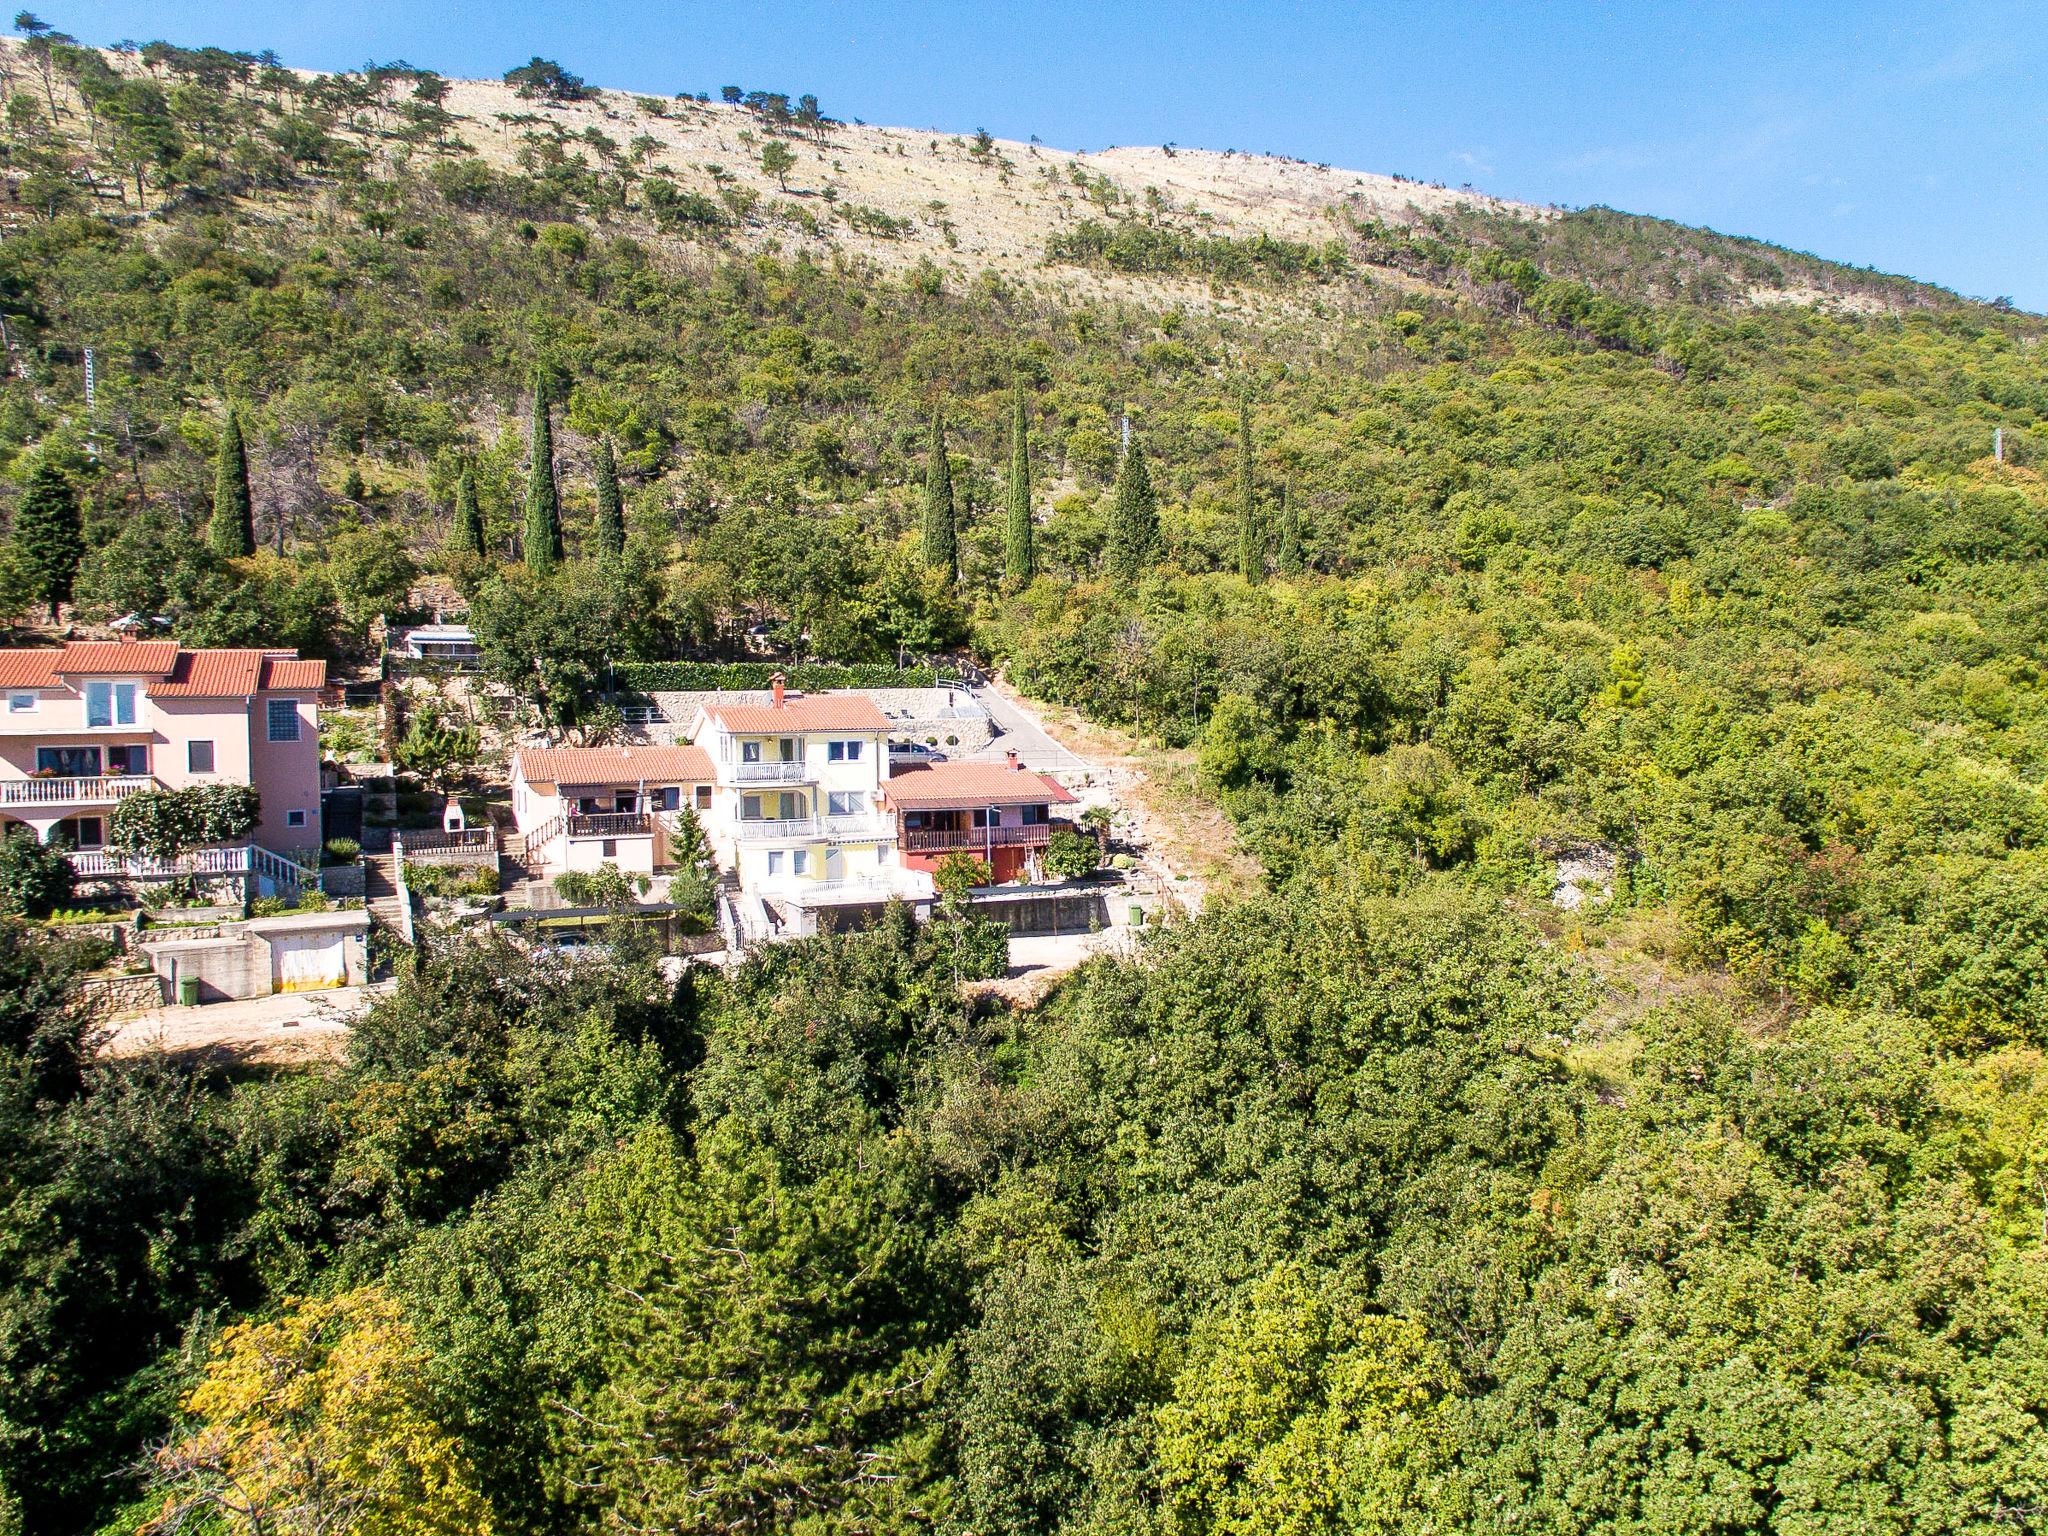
{"type": "Point", "coordinates": [295, 818]}
{"type": "Point", "coordinates": [1037, 815]}
{"type": "Point", "coordinates": [608, 847]}
{"type": "Point", "coordinates": [84, 832]}
{"type": "Point", "coordinates": [842, 751]}
{"type": "Point", "coordinates": [750, 751]}
{"type": "Point", "coordinates": [797, 860]}
{"type": "Point", "coordinates": [775, 863]}
{"type": "Point", "coordinates": [625, 805]}
{"type": "Point", "coordinates": [109, 704]}
{"type": "Point", "coordinates": [981, 816]}
{"type": "Point", "coordinates": [750, 807]}
{"type": "Point", "coordinates": [703, 797]}
{"type": "Point", "coordinates": [69, 762]}
{"type": "Point", "coordinates": [284, 720]}
{"type": "Point", "coordinates": [21, 703]}
{"type": "Point", "coordinates": [132, 760]}
{"type": "Point", "coordinates": [842, 802]}
{"type": "Point", "coordinates": [199, 757]}
{"type": "Point", "coordinates": [668, 798]}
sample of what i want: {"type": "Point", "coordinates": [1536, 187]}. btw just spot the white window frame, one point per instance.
{"type": "Point", "coordinates": [21, 703]}
{"type": "Point", "coordinates": [843, 751]}
{"type": "Point", "coordinates": [274, 711]}
{"type": "Point", "coordinates": [212, 757]}
{"type": "Point", "coordinates": [774, 861]}
{"type": "Point", "coordinates": [799, 858]}
{"type": "Point", "coordinates": [115, 702]}
{"type": "Point", "coordinates": [842, 802]}
{"type": "Point", "coordinates": [295, 818]}
{"type": "Point", "coordinates": [750, 751]}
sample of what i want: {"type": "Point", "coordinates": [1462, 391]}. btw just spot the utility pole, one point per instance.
{"type": "Point", "coordinates": [91, 402]}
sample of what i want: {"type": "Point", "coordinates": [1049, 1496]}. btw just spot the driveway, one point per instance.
{"type": "Point", "coordinates": [1020, 734]}
{"type": "Point", "coordinates": [283, 1027]}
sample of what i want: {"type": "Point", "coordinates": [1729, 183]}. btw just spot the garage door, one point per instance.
{"type": "Point", "coordinates": [307, 963]}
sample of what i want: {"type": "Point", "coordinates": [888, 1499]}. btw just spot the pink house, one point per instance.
{"type": "Point", "coordinates": [84, 726]}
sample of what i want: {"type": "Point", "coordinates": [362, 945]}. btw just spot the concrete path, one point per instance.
{"type": "Point", "coordinates": [284, 1026]}
{"type": "Point", "coordinates": [1021, 734]}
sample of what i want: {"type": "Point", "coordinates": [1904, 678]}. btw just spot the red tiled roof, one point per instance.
{"type": "Point", "coordinates": [119, 658]}
{"type": "Point", "coordinates": [28, 669]}
{"type": "Point", "coordinates": [803, 712]}
{"type": "Point", "coordinates": [613, 765]}
{"type": "Point", "coordinates": [293, 674]}
{"type": "Point", "coordinates": [961, 786]}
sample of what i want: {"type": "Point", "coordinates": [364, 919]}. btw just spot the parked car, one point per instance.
{"type": "Point", "coordinates": [910, 753]}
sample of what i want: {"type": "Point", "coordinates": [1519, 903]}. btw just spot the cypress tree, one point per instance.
{"type": "Point", "coordinates": [1133, 518]}
{"type": "Point", "coordinates": [469, 517]}
{"type": "Point", "coordinates": [1019, 557]}
{"type": "Point", "coordinates": [611, 519]}
{"type": "Point", "coordinates": [48, 531]}
{"type": "Point", "coordinates": [941, 525]}
{"type": "Point", "coordinates": [232, 531]}
{"type": "Point", "coordinates": [543, 538]}
{"type": "Point", "coordinates": [1290, 536]}
{"type": "Point", "coordinates": [1251, 559]}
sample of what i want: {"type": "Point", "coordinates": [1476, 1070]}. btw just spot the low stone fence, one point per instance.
{"type": "Point", "coordinates": [344, 880]}
{"type": "Point", "coordinates": [105, 997]}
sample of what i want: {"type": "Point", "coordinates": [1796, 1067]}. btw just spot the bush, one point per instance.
{"type": "Point", "coordinates": [343, 850]}
{"type": "Point", "coordinates": [1070, 854]}
{"type": "Point", "coordinates": [164, 823]}
{"type": "Point", "coordinates": [35, 878]}
{"type": "Point", "coordinates": [605, 886]}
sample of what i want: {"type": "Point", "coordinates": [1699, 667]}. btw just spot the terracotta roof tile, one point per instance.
{"type": "Point", "coordinates": [613, 765]}
{"type": "Point", "coordinates": [960, 786]}
{"type": "Point", "coordinates": [803, 712]}
{"type": "Point", "coordinates": [119, 658]}
{"type": "Point", "coordinates": [28, 669]}
{"type": "Point", "coordinates": [211, 675]}
{"type": "Point", "coordinates": [293, 674]}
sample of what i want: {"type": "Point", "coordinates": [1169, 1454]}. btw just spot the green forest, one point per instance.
{"type": "Point", "coordinates": [1390, 1194]}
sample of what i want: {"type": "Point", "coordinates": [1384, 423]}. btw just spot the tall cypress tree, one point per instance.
{"type": "Point", "coordinates": [941, 524]}
{"type": "Point", "coordinates": [48, 532]}
{"type": "Point", "coordinates": [1251, 559]}
{"type": "Point", "coordinates": [543, 537]}
{"type": "Point", "coordinates": [1020, 559]}
{"type": "Point", "coordinates": [1289, 561]}
{"type": "Point", "coordinates": [611, 520]}
{"type": "Point", "coordinates": [1133, 518]}
{"type": "Point", "coordinates": [469, 518]}
{"type": "Point", "coordinates": [232, 531]}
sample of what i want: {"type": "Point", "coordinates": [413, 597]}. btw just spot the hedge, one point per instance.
{"type": "Point", "coordinates": [812, 677]}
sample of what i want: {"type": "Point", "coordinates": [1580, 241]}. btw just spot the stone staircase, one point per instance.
{"type": "Point", "coordinates": [380, 891]}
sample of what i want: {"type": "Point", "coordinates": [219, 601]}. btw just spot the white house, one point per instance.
{"type": "Point", "coordinates": [580, 807]}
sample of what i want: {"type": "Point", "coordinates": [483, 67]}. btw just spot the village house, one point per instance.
{"type": "Point", "coordinates": [577, 808]}
{"type": "Point", "coordinates": [86, 725]}
{"type": "Point", "coordinates": [1001, 813]}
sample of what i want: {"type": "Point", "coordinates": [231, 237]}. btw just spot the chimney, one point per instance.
{"type": "Point", "coordinates": [1010, 757]}
{"type": "Point", "coordinates": [775, 684]}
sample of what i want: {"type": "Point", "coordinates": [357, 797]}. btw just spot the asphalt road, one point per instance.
{"type": "Point", "coordinates": [1020, 733]}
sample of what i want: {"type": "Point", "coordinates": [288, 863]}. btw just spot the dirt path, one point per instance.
{"type": "Point", "coordinates": [1190, 846]}
{"type": "Point", "coordinates": [283, 1028]}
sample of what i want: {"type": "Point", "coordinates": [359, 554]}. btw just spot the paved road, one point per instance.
{"type": "Point", "coordinates": [1020, 734]}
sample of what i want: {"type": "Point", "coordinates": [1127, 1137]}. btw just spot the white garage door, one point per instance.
{"type": "Point", "coordinates": [306, 964]}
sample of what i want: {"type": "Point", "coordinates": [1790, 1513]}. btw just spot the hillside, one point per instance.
{"type": "Point", "coordinates": [1615, 649]}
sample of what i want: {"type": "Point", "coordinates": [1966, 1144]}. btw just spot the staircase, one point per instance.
{"type": "Point", "coordinates": [380, 891]}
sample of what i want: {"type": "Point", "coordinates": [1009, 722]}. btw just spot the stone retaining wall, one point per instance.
{"type": "Point", "coordinates": [105, 997]}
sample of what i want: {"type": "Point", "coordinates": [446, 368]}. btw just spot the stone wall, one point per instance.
{"type": "Point", "coordinates": [343, 880]}
{"type": "Point", "coordinates": [914, 714]}
{"type": "Point", "coordinates": [106, 997]}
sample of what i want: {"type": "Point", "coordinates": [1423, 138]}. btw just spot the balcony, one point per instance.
{"type": "Point", "coordinates": [767, 829]}
{"type": "Point", "coordinates": [778, 772]}
{"type": "Point", "coordinates": [29, 794]}
{"type": "Point", "coordinates": [611, 824]}
{"type": "Point", "coordinates": [838, 829]}
{"type": "Point", "coordinates": [974, 839]}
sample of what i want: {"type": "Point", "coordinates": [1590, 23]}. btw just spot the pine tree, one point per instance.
{"type": "Point", "coordinates": [1251, 558]}
{"type": "Point", "coordinates": [47, 529]}
{"type": "Point", "coordinates": [469, 517]}
{"type": "Point", "coordinates": [1133, 518]}
{"type": "Point", "coordinates": [1020, 558]}
{"type": "Point", "coordinates": [543, 501]}
{"type": "Point", "coordinates": [232, 532]}
{"type": "Point", "coordinates": [611, 521]}
{"type": "Point", "coordinates": [941, 525]}
{"type": "Point", "coordinates": [1289, 561]}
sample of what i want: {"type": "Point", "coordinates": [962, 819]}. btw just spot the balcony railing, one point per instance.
{"type": "Point", "coordinates": [777, 772]}
{"type": "Point", "coordinates": [93, 791]}
{"type": "Point", "coordinates": [611, 824]}
{"type": "Point", "coordinates": [90, 862]}
{"type": "Point", "coordinates": [945, 839]}
{"type": "Point", "coordinates": [766, 828]}
{"type": "Point", "coordinates": [858, 828]}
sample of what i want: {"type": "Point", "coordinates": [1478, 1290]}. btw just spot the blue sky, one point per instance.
{"type": "Point", "coordinates": [1906, 137]}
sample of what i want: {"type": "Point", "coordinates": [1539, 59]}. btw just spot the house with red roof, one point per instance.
{"type": "Point", "coordinates": [85, 725]}
{"type": "Point", "coordinates": [1001, 813]}
{"type": "Point", "coordinates": [578, 808]}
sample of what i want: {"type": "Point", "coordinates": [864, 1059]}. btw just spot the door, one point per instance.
{"type": "Point", "coordinates": [835, 865]}
{"type": "Point", "coordinates": [308, 962]}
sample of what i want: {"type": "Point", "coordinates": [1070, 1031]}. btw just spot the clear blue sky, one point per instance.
{"type": "Point", "coordinates": [1908, 137]}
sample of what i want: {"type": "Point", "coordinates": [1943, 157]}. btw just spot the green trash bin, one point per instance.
{"type": "Point", "coordinates": [1137, 915]}
{"type": "Point", "coordinates": [188, 991]}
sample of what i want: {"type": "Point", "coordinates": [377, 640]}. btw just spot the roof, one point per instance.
{"type": "Point", "coordinates": [803, 712]}
{"type": "Point", "coordinates": [28, 669]}
{"type": "Point", "coordinates": [962, 786]}
{"type": "Point", "coordinates": [174, 673]}
{"type": "Point", "coordinates": [613, 765]}
{"type": "Point", "coordinates": [440, 632]}
{"type": "Point", "coordinates": [118, 658]}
